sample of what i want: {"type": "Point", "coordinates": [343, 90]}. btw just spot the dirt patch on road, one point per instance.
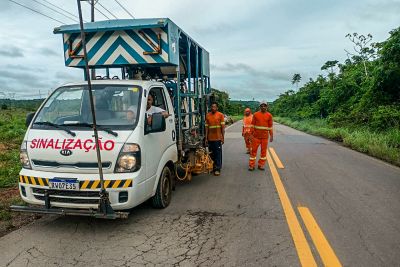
{"type": "Point", "coordinates": [10, 221]}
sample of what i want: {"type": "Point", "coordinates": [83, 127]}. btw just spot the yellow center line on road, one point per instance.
{"type": "Point", "coordinates": [300, 241]}
{"type": "Point", "coordinates": [326, 252]}
{"type": "Point", "coordinates": [278, 162]}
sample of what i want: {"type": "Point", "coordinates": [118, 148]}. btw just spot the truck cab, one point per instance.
{"type": "Point", "coordinates": [60, 151]}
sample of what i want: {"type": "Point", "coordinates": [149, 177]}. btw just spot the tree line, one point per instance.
{"type": "Point", "coordinates": [364, 90]}
{"type": "Point", "coordinates": [232, 107]}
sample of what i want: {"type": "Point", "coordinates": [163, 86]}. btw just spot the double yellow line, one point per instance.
{"type": "Point", "coordinates": [322, 245]}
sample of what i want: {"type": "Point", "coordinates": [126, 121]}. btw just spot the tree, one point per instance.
{"type": "Point", "coordinates": [296, 79]}
{"type": "Point", "coordinates": [364, 51]}
{"type": "Point", "coordinates": [222, 98]}
{"type": "Point", "coordinates": [330, 66]}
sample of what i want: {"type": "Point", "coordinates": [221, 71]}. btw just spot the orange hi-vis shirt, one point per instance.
{"type": "Point", "coordinates": [262, 123]}
{"type": "Point", "coordinates": [214, 124]}
{"type": "Point", "coordinates": [247, 126]}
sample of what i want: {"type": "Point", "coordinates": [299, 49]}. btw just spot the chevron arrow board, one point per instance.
{"type": "Point", "coordinates": [117, 48]}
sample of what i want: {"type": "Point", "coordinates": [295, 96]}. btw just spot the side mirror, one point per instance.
{"type": "Point", "coordinates": [29, 118]}
{"type": "Point", "coordinates": [157, 124]}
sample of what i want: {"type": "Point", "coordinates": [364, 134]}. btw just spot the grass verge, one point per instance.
{"type": "Point", "coordinates": [236, 118]}
{"type": "Point", "coordinates": [12, 130]}
{"type": "Point", "coordinates": [383, 145]}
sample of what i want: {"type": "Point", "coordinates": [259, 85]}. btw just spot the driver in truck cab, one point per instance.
{"type": "Point", "coordinates": [150, 109]}
{"type": "Point", "coordinates": [131, 114]}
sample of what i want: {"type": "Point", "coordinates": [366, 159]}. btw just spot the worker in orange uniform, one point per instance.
{"type": "Point", "coordinates": [262, 129]}
{"type": "Point", "coordinates": [247, 126]}
{"type": "Point", "coordinates": [215, 131]}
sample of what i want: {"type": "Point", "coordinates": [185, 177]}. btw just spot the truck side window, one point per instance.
{"type": "Point", "coordinates": [159, 98]}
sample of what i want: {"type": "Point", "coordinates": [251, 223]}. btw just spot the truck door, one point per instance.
{"type": "Point", "coordinates": [157, 143]}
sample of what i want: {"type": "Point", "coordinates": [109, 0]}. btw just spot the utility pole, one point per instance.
{"type": "Point", "coordinates": [93, 71]}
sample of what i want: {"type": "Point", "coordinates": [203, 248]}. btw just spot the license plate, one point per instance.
{"type": "Point", "coordinates": [64, 184]}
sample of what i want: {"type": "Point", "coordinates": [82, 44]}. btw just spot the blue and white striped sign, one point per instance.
{"type": "Point", "coordinates": [117, 47]}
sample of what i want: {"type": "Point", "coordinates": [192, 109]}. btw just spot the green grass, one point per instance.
{"type": "Point", "coordinates": [236, 118]}
{"type": "Point", "coordinates": [383, 145]}
{"type": "Point", "coordinates": [12, 130]}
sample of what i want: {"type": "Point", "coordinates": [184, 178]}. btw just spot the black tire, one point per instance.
{"type": "Point", "coordinates": [162, 198]}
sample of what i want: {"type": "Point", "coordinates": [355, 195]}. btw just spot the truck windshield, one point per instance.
{"type": "Point", "coordinates": [117, 107]}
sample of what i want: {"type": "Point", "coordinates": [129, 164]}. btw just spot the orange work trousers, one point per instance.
{"type": "Point", "coordinates": [253, 153]}
{"type": "Point", "coordinates": [247, 139]}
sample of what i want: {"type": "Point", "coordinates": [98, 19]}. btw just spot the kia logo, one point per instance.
{"type": "Point", "coordinates": [66, 152]}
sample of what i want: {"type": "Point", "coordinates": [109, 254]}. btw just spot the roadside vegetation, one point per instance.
{"type": "Point", "coordinates": [12, 130]}
{"type": "Point", "coordinates": [356, 102]}
{"type": "Point", "coordinates": [380, 144]}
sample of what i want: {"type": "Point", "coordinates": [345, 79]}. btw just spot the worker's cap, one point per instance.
{"type": "Point", "coordinates": [247, 110]}
{"type": "Point", "coordinates": [263, 102]}
{"type": "Point", "coordinates": [132, 108]}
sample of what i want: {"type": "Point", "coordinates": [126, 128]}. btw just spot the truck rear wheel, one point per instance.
{"type": "Point", "coordinates": [162, 198]}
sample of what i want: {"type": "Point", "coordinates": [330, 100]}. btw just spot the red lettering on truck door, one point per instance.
{"type": "Point", "coordinates": [50, 144]}
{"type": "Point", "coordinates": [68, 144]}
{"type": "Point", "coordinates": [33, 143]}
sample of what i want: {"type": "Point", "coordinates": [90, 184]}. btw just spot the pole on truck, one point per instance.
{"type": "Point", "coordinates": [93, 72]}
{"type": "Point", "coordinates": [104, 204]}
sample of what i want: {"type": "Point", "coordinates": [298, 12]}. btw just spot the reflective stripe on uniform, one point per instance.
{"type": "Point", "coordinates": [214, 126]}
{"type": "Point", "coordinates": [264, 158]}
{"type": "Point", "coordinates": [262, 128]}
{"type": "Point", "coordinates": [252, 158]}
{"type": "Point", "coordinates": [223, 123]}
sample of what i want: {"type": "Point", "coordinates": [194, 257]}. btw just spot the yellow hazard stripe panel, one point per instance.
{"type": "Point", "coordinates": [107, 184]}
{"type": "Point", "coordinates": [86, 184]}
{"type": "Point", "coordinates": [33, 180]}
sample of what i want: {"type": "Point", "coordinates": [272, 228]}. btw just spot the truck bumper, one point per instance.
{"type": "Point", "coordinates": [123, 190]}
{"type": "Point", "coordinates": [71, 212]}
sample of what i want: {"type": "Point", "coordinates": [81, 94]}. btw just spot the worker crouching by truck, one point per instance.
{"type": "Point", "coordinates": [247, 129]}
{"type": "Point", "coordinates": [262, 130]}
{"type": "Point", "coordinates": [215, 132]}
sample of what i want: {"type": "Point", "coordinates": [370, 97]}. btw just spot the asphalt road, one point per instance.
{"type": "Point", "coordinates": [242, 218]}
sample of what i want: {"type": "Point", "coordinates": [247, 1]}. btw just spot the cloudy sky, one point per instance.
{"type": "Point", "coordinates": [255, 45]}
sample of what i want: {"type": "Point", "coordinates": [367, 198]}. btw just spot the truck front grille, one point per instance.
{"type": "Point", "coordinates": [69, 200]}
{"type": "Point", "coordinates": [78, 165]}
{"type": "Point", "coordinates": [65, 196]}
{"type": "Point", "coordinates": [66, 193]}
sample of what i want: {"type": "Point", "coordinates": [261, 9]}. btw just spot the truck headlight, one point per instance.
{"type": "Point", "coordinates": [128, 159]}
{"type": "Point", "coordinates": [23, 156]}
{"type": "Point", "coordinates": [127, 162]}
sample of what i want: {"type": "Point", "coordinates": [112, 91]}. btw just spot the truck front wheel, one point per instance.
{"type": "Point", "coordinates": [162, 198]}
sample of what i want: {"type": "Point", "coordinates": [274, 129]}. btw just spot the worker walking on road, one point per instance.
{"type": "Point", "coordinates": [262, 129]}
{"type": "Point", "coordinates": [247, 129]}
{"type": "Point", "coordinates": [215, 131]}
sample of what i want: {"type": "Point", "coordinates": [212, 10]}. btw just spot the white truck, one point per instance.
{"type": "Point", "coordinates": [139, 160]}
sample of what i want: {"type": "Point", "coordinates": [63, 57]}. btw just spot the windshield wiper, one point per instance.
{"type": "Point", "coordinates": [90, 125]}
{"type": "Point", "coordinates": [47, 123]}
